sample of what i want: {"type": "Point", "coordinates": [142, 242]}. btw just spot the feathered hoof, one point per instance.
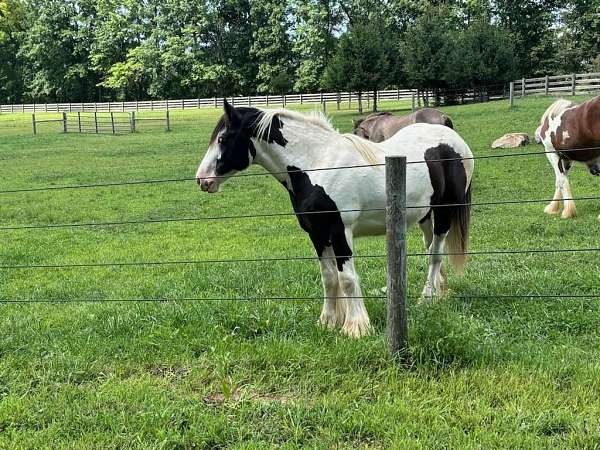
{"type": "Point", "coordinates": [357, 328]}
{"type": "Point", "coordinates": [569, 213]}
{"type": "Point", "coordinates": [327, 320]}
{"type": "Point", "coordinates": [552, 208]}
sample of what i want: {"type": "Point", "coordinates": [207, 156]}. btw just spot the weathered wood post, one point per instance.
{"type": "Point", "coordinates": [413, 101]}
{"type": "Point", "coordinates": [573, 83]}
{"type": "Point", "coordinates": [522, 87]}
{"type": "Point", "coordinates": [397, 323]}
{"type": "Point", "coordinates": [349, 99]}
{"type": "Point", "coordinates": [112, 122]}
{"type": "Point", "coordinates": [132, 121]}
{"type": "Point", "coordinates": [339, 100]}
{"type": "Point", "coordinates": [546, 85]}
{"type": "Point", "coordinates": [168, 121]}
{"type": "Point", "coordinates": [64, 121]}
{"type": "Point", "coordinates": [324, 107]}
{"type": "Point", "coordinates": [33, 123]}
{"type": "Point", "coordinates": [79, 121]}
{"type": "Point", "coordinates": [96, 121]}
{"type": "Point", "coordinates": [511, 94]}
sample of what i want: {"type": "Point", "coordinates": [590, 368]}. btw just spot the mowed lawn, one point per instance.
{"type": "Point", "coordinates": [489, 371]}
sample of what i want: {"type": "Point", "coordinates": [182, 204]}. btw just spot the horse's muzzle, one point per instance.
{"type": "Point", "coordinates": [595, 169]}
{"type": "Point", "coordinates": [207, 185]}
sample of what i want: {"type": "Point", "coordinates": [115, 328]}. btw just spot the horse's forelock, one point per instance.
{"type": "Point", "coordinates": [221, 124]}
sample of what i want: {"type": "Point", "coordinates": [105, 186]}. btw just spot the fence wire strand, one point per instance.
{"type": "Point", "coordinates": [252, 174]}
{"type": "Point", "coordinates": [285, 259]}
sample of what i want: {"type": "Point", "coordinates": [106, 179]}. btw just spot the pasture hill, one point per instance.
{"type": "Point", "coordinates": [101, 349]}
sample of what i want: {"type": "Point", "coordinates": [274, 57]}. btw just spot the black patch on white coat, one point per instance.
{"type": "Point", "coordinates": [449, 181]}
{"type": "Point", "coordinates": [325, 229]}
{"type": "Point", "coordinates": [239, 126]}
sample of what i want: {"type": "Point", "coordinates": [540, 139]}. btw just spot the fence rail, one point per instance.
{"type": "Point", "coordinates": [582, 83]}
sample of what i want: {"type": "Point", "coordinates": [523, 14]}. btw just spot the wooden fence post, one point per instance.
{"type": "Point", "coordinates": [112, 123]}
{"type": "Point", "coordinates": [511, 94]}
{"type": "Point", "coordinates": [96, 121]}
{"type": "Point", "coordinates": [397, 323]}
{"type": "Point", "coordinates": [339, 100]}
{"type": "Point", "coordinates": [573, 83]}
{"type": "Point", "coordinates": [79, 121]}
{"type": "Point", "coordinates": [215, 102]}
{"type": "Point", "coordinates": [132, 121]}
{"type": "Point", "coordinates": [324, 107]}
{"type": "Point", "coordinates": [33, 123]}
{"type": "Point", "coordinates": [522, 87]}
{"type": "Point", "coordinates": [168, 121]}
{"type": "Point", "coordinates": [349, 99]}
{"type": "Point", "coordinates": [546, 85]}
{"type": "Point", "coordinates": [64, 121]}
{"type": "Point", "coordinates": [413, 100]}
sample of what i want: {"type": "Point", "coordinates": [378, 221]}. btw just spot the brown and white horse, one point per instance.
{"type": "Point", "coordinates": [570, 132]}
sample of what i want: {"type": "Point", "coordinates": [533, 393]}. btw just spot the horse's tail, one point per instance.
{"type": "Point", "coordinates": [457, 241]}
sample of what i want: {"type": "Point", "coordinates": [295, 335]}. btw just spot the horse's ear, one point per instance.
{"type": "Point", "coordinates": [231, 115]}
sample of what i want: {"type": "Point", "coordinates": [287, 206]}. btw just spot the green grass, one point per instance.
{"type": "Point", "coordinates": [488, 373]}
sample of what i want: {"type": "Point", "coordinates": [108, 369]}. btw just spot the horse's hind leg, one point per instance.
{"type": "Point", "coordinates": [334, 311]}
{"type": "Point", "coordinates": [356, 321]}
{"type": "Point", "coordinates": [441, 226]}
{"type": "Point", "coordinates": [426, 226]}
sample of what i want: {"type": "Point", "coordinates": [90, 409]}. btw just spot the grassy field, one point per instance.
{"type": "Point", "coordinates": [489, 372]}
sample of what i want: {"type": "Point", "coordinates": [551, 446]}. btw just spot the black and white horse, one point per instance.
{"type": "Point", "coordinates": [286, 143]}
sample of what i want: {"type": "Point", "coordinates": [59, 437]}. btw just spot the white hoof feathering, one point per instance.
{"type": "Point", "coordinates": [357, 328]}
{"type": "Point", "coordinates": [328, 319]}
{"type": "Point", "coordinates": [570, 211]}
{"type": "Point", "coordinates": [552, 208]}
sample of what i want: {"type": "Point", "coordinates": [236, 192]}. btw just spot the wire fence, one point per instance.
{"type": "Point", "coordinates": [271, 259]}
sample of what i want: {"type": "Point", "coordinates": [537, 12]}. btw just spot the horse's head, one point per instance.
{"type": "Point", "coordinates": [358, 128]}
{"type": "Point", "coordinates": [230, 149]}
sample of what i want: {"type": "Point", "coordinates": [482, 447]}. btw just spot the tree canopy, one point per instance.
{"type": "Point", "coordinates": [86, 50]}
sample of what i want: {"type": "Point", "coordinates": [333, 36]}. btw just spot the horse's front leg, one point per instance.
{"type": "Point", "coordinates": [356, 321]}
{"type": "Point", "coordinates": [333, 313]}
{"type": "Point", "coordinates": [563, 188]}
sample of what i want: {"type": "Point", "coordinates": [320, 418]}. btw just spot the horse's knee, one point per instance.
{"type": "Point", "coordinates": [347, 280]}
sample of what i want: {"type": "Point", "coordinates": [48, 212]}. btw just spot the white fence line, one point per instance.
{"type": "Point", "coordinates": [583, 83]}
{"type": "Point", "coordinates": [570, 84]}
{"type": "Point", "coordinates": [214, 102]}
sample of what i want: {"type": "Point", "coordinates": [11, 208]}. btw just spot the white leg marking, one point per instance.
{"type": "Point", "coordinates": [433, 285]}
{"type": "Point", "coordinates": [554, 206]}
{"type": "Point", "coordinates": [427, 229]}
{"type": "Point", "coordinates": [329, 276]}
{"type": "Point", "coordinates": [356, 322]}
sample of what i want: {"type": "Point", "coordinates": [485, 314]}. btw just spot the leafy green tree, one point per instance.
{"type": "Point", "coordinates": [579, 38]}
{"type": "Point", "coordinates": [360, 63]}
{"type": "Point", "coordinates": [426, 51]}
{"type": "Point", "coordinates": [530, 22]}
{"type": "Point", "coordinates": [313, 40]}
{"type": "Point", "coordinates": [271, 46]}
{"type": "Point", "coordinates": [55, 52]}
{"type": "Point", "coordinates": [12, 17]}
{"type": "Point", "coordinates": [482, 54]}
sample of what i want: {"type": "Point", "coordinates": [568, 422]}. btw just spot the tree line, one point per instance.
{"type": "Point", "coordinates": [99, 50]}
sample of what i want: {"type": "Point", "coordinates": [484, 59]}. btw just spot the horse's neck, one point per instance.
{"type": "Point", "coordinates": [304, 149]}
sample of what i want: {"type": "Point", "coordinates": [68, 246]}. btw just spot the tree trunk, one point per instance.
{"type": "Point", "coordinates": [375, 101]}
{"type": "Point", "coordinates": [360, 108]}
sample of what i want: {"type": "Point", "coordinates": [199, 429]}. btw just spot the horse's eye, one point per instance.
{"type": "Point", "coordinates": [221, 139]}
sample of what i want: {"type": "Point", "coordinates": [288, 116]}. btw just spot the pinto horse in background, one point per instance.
{"type": "Point", "coordinates": [378, 127]}
{"type": "Point", "coordinates": [570, 132]}
{"type": "Point", "coordinates": [334, 206]}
